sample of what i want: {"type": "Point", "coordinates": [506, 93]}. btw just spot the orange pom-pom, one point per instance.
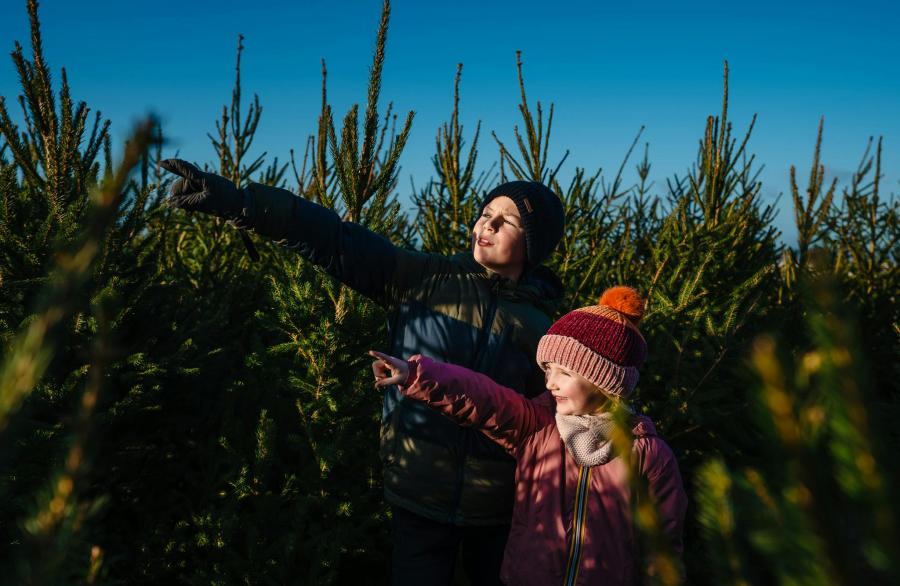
{"type": "Point", "coordinates": [626, 301]}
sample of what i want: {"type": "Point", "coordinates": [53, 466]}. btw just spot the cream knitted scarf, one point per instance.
{"type": "Point", "coordinates": [587, 437]}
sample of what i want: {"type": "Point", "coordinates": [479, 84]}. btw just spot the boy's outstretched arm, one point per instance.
{"type": "Point", "coordinates": [359, 258]}
{"type": "Point", "coordinates": [467, 397]}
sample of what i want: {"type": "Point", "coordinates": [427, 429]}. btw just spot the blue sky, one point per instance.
{"type": "Point", "coordinates": [609, 67]}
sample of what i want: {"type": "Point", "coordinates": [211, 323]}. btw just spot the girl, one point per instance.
{"type": "Point", "coordinates": [572, 519]}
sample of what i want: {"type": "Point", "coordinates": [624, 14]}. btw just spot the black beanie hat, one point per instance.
{"type": "Point", "coordinates": [542, 216]}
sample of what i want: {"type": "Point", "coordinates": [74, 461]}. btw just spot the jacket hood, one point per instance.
{"type": "Point", "coordinates": [642, 426]}
{"type": "Point", "coordinates": [539, 285]}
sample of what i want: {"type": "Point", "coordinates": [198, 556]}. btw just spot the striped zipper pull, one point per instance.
{"type": "Point", "coordinates": [579, 518]}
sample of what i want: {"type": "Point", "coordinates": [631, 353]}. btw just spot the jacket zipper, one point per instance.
{"type": "Point", "coordinates": [579, 521]}
{"type": "Point", "coordinates": [486, 326]}
{"type": "Point", "coordinates": [480, 351]}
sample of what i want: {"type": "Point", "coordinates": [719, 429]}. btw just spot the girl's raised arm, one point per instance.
{"type": "Point", "coordinates": [467, 397]}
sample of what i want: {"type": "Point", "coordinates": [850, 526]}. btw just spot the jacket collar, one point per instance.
{"type": "Point", "coordinates": [538, 285]}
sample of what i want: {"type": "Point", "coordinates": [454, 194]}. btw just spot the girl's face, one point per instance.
{"type": "Point", "coordinates": [499, 238]}
{"type": "Point", "coordinates": [574, 394]}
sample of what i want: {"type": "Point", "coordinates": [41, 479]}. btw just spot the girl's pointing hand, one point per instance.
{"type": "Point", "coordinates": [388, 370]}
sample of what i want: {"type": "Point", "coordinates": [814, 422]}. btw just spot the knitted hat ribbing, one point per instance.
{"type": "Point", "coordinates": [600, 342]}
{"type": "Point", "coordinates": [543, 218]}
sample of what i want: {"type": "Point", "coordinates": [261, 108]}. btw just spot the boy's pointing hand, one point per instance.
{"type": "Point", "coordinates": [199, 191]}
{"type": "Point", "coordinates": [388, 370]}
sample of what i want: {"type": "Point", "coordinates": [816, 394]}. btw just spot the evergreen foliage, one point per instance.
{"type": "Point", "coordinates": [448, 205]}
{"type": "Point", "coordinates": [171, 412]}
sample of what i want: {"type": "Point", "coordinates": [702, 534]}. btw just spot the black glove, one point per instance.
{"type": "Point", "coordinates": [199, 191]}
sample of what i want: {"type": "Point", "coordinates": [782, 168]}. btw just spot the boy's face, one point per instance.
{"type": "Point", "coordinates": [574, 394]}
{"type": "Point", "coordinates": [499, 238]}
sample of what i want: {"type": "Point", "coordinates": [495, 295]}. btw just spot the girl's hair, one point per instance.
{"type": "Point", "coordinates": [610, 403]}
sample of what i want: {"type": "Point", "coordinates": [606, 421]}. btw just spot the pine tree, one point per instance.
{"type": "Point", "coordinates": [172, 412]}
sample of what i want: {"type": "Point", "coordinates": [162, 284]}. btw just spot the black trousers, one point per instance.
{"type": "Point", "coordinates": [425, 551]}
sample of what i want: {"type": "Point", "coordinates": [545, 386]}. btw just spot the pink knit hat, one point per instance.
{"type": "Point", "coordinates": [601, 342]}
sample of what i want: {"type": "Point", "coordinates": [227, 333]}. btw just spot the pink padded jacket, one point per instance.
{"type": "Point", "coordinates": [571, 525]}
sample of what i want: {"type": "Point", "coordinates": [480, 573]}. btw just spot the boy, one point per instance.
{"type": "Point", "coordinates": [485, 309]}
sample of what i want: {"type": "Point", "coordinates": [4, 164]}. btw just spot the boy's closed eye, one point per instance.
{"type": "Point", "coordinates": [487, 215]}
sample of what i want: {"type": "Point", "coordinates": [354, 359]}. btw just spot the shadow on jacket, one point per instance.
{"type": "Point", "coordinates": [448, 308]}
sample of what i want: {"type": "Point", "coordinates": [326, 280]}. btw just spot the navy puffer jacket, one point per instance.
{"type": "Point", "coordinates": [448, 308]}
